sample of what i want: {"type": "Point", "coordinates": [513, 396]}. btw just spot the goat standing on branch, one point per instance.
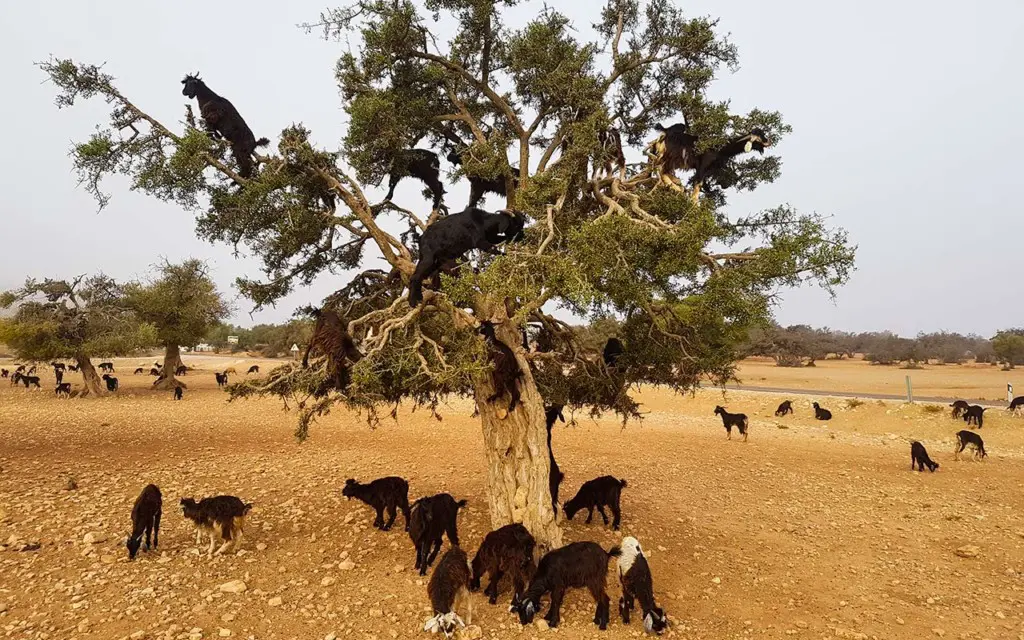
{"type": "Point", "coordinates": [223, 121]}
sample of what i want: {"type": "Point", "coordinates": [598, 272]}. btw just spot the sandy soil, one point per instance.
{"type": "Point", "coordinates": [809, 531]}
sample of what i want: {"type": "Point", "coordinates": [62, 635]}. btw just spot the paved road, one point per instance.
{"type": "Point", "coordinates": [872, 396]}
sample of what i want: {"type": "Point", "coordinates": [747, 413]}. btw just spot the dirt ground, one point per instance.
{"type": "Point", "coordinates": [809, 530]}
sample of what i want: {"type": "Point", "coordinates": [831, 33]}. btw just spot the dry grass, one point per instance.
{"type": "Point", "coordinates": [797, 533]}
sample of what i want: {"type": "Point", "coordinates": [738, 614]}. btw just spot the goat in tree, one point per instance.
{"type": "Point", "coordinates": [710, 163]}
{"type": "Point", "coordinates": [479, 186]}
{"type": "Point", "coordinates": [675, 149]}
{"type": "Point", "coordinates": [331, 339]}
{"type": "Point", "coordinates": [223, 121]}
{"type": "Point", "coordinates": [421, 164]}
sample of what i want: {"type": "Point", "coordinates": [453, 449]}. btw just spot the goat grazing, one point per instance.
{"type": "Point", "coordinates": [1016, 405]}
{"type": "Point", "coordinates": [448, 588]}
{"type": "Point", "coordinates": [613, 349]}
{"type": "Point", "coordinates": [429, 519]}
{"type": "Point", "coordinates": [107, 366]}
{"type": "Point", "coordinates": [178, 393]}
{"type": "Point", "coordinates": [181, 370]}
{"type": "Point", "coordinates": [222, 379]}
{"type": "Point", "coordinates": [821, 414]}
{"type": "Point", "coordinates": [555, 476]}
{"type": "Point", "coordinates": [919, 456]}
{"type": "Point", "coordinates": [153, 371]}
{"type": "Point", "coordinates": [730, 420]}
{"type": "Point", "coordinates": [599, 493]}
{"type": "Point", "coordinates": [480, 186]}
{"type": "Point", "coordinates": [964, 438]}
{"type": "Point", "coordinates": [451, 237]}
{"type": "Point", "coordinates": [785, 407]}
{"type": "Point", "coordinates": [111, 382]}
{"type": "Point", "coordinates": [974, 414]}
{"type": "Point", "coordinates": [959, 407]}
{"type": "Point", "coordinates": [145, 519]}
{"type": "Point", "coordinates": [63, 389]}
{"type": "Point", "coordinates": [221, 517]}
{"type": "Point", "coordinates": [391, 493]}
{"type": "Point", "coordinates": [223, 121]}
{"type": "Point", "coordinates": [421, 164]}
{"type": "Point", "coordinates": [253, 369]}
{"type": "Point", "coordinates": [506, 373]}
{"type": "Point", "coordinates": [508, 550]}
{"type": "Point", "coordinates": [636, 581]}
{"type": "Point", "coordinates": [138, 371]}
{"type": "Point", "coordinates": [577, 565]}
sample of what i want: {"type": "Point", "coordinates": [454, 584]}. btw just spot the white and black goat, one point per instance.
{"type": "Point", "coordinates": [448, 589]}
{"type": "Point", "coordinates": [390, 493]}
{"type": "Point", "coordinates": [505, 551]}
{"type": "Point", "coordinates": [635, 577]}
{"type": "Point", "coordinates": [429, 520]}
{"type": "Point", "coordinates": [600, 493]}
{"type": "Point", "coordinates": [577, 565]}
{"type": "Point", "coordinates": [145, 520]}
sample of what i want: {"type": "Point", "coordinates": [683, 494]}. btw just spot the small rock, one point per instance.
{"type": "Point", "coordinates": [138, 635]}
{"type": "Point", "coordinates": [227, 617]}
{"type": "Point", "coordinates": [94, 537]}
{"type": "Point", "coordinates": [224, 633]}
{"type": "Point", "coordinates": [376, 613]}
{"type": "Point", "coordinates": [968, 551]}
{"type": "Point", "coordinates": [70, 484]}
{"type": "Point", "coordinates": [473, 632]}
{"type": "Point", "coordinates": [716, 580]}
{"type": "Point", "coordinates": [801, 624]}
{"type": "Point", "coordinates": [261, 546]}
{"type": "Point", "coordinates": [938, 632]}
{"type": "Point", "coordinates": [331, 636]}
{"type": "Point", "coordinates": [3, 607]}
{"type": "Point", "coordinates": [235, 586]}
{"type": "Point", "coordinates": [850, 635]}
{"type": "Point", "coordinates": [542, 624]}
{"type": "Point", "coordinates": [274, 602]}
{"type": "Point", "coordinates": [346, 565]}
{"type": "Point", "coordinates": [899, 621]}
{"type": "Point", "coordinates": [327, 581]}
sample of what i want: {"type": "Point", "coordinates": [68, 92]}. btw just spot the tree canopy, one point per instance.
{"type": "Point", "coordinates": [181, 301]}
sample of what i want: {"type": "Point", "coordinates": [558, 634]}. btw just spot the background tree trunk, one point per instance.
{"type": "Point", "coordinates": [172, 360]}
{"type": "Point", "coordinates": [517, 456]}
{"type": "Point", "coordinates": [93, 384]}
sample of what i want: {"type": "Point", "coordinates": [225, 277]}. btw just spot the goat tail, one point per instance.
{"type": "Point", "coordinates": [461, 503]}
{"type": "Point", "coordinates": [622, 483]}
{"type": "Point", "coordinates": [614, 552]}
{"type": "Point", "coordinates": [262, 142]}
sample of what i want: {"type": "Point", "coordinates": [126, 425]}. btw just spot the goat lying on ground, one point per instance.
{"type": "Point", "coordinates": [575, 566]}
{"type": "Point", "coordinates": [730, 420]}
{"type": "Point", "coordinates": [784, 408]}
{"type": "Point", "coordinates": [821, 414]}
{"type": "Point", "coordinates": [555, 476]}
{"type": "Point", "coordinates": [421, 164]}
{"type": "Point", "coordinates": [111, 382]}
{"type": "Point", "coordinates": [964, 438]}
{"type": "Point", "coordinates": [919, 456]}
{"type": "Point", "coordinates": [221, 517]}
{"type": "Point", "coordinates": [508, 550]}
{"type": "Point", "coordinates": [253, 369]}
{"type": "Point", "coordinates": [479, 186]}
{"type": "Point", "coordinates": [959, 407]}
{"type": "Point", "coordinates": [145, 519]}
{"type": "Point", "coordinates": [178, 393]}
{"type": "Point", "coordinates": [222, 120]}
{"type": "Point", "coordinates": [453, 236]}
{"type": "Point", "coordinates": [635, 577]}
{"type": "Point", "coordinates": [974, 414]}
{"type": "Point", "coordinates": [1016, 405]}
{"type": "Point", "coordinates": [429, 519]}
{"type": "Point", "coordinates": [612, 350]}
{"type": "Point", "coordinates": [391, 493]}
{"type": "Point", "coordinates": [448, 588]}
{"type": "Point", "coordinates": [506, 373]}
{"type": "Point", "coordinates": [63, 389]}
{"type": "Point", "coordinates": [599, 493]}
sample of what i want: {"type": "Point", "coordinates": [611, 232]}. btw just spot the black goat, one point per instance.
{"type": "Point", "coordinates": [453, 236]}
{"type": "Point", "coordinates": [635, 577]}
{"type": "Point", "coordinates": [223, 121]}
{"type": "Point", "coordinates": [429, 519]}
{"type": "Point", "coordinates": [31, 369]}
{"type": "Point", "coordinates": [674, 149]}
{"type": "Point", "coordinates": [253, 369]}
{"type": "Point", "coordinates": [479, 186]}
{"type": "Point", "coordinates": [730, 420]}
{"type": "Point", "coordinates": [919, 456]}
{"type": "Point", "coordinates": [58, 365]}
{"type": "Point", "coordinates": [29, 381]}
{"type": "Point", "coordinates": [421, 164]}
{"type": "Point", "coordinates": [222, 379]}
{"type": "Point", "coordinates": [153, 371]}
{"type": "Point", "coordinates": [4, 373]}
{"type": "Point", "coordinates": [965, 438]}
{"type": "Point", "coordinates": [613, 349]}
{"type": "Point", "coordinates": [221, 517]}
{"type": "Point", "coordinates": [974, 414]}
{"type": "Point", "coordinates": [178, 393]}
{"type": "Point", "coordinates": [711, 163]}
{"type": "Point", "coordinates": [821, 414]}
{"type": "Point", "coordinates": [181, 370]}
{"type": "Point", "coordinates": [508, 550]}
{"type": "Point", "coordinates": [448, 588]}
{"type": "Point", "coordinates": [1016, 405]}
{"type": "Point", "coordinates": [785, 407]}
{"type": "Point", "coordinates": [145, 519]}
{"type": "Point", "coordinates": [555, 477]}
{"type": "Point", "coordinates": [73, 367]}
{"type": "Point", "coordinates": [111, 382]}
{"type": "Point", "coordinates": [959, 407]}
{"type": "Point", "coordinates": [506, 373]}
{"type": "Point", "coordinates": [577, 565]}
{"type": "Point", "coordinates": [63, 389]}
{"type": "Point", "coordinates": [58, 374]}
{"type": "Point", "coordinates": [107, 366]}
{"type": "Point", "coordinates": [599, 493]}
{"type": "Point", "coordinates": [391, 493]}
{"type": "Point", "coordinates": [139, 371]}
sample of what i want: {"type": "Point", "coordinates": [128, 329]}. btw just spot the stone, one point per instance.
{"type": "Point", "coordinates": [473, 632]}
{"type": "Point", "coordinates": [275, 601]}
{"type": "Point", "coordinates": [234, 586]}
{"type": "Point", "coordinates": [224, 633]}
{"type": "Point", "coordinates": [94, 537]}
{"type": "Point", "coordinates": [542, 624]}
{"type": "Point", "coordinates": [346, 565]}
{"type": "Point", "coordinates": [968, 551]}
{"type": "Point", "coordinates": [327, 581]}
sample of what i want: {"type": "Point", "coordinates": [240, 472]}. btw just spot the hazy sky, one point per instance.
{"type": "Point", "coordinates": [906, 120]}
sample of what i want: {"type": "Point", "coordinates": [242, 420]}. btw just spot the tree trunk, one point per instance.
{"type": "Point", "coordinates": [93, 384]}
{"type": "Point", "coordinates": [517, 454]}
{"type": "Point", "coordinates": [172, 360]}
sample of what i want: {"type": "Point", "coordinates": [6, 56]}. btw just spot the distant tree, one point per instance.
{"type": "Point", "coordinates": [182, 302]}
{"type": "Point", "coordinates": [80, 319]}
{"type": "Point", "coordinates": [688, 277]}
{"type": "Point", "coordinates": [1008, 346]}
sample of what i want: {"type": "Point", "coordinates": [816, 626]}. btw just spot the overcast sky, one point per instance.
{"type": "Point", "coordinates": [906, 118]}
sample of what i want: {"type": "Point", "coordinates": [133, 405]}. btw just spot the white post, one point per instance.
{"type": "Point", "coordinates": [1009, 392]}
{"type": "Point", "coordinates": [910, 391]}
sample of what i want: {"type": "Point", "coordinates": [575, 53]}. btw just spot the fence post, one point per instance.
{"type": "Point", "coordinates": [1009, 392]}
{"type": "Point", "coordinates": [910, 391]}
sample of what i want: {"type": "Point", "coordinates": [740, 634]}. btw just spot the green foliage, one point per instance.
{"type": "Point", "coordinates": [181, 301]}
{"type": "Point", "coordinates": [1008, 345]}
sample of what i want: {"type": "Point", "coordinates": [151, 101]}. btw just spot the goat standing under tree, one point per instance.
{"type": "Point", "coordinates": [608, 243]}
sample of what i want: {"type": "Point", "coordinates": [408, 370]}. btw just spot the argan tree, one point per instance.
{"type": "Point", "coordinates": [75, 319]}
{"type": "Point", "coordinates": [687, 276]}
{"type": "Point", "coordinates": [1008, 345]}
{"type": "Point", "coordinates": [182, 302]}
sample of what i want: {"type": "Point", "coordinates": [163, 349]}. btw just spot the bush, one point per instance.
{"type": "Point", "coordinates": [853, 403]}
{"type": "Point", "coordinates": [933, 408]}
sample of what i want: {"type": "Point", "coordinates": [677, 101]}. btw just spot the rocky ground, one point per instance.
{"type": "Point", "coordinates": [806, 531]}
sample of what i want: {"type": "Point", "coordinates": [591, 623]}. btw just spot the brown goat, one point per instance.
{"type": "Point", "coordinates": [508, 550]}
{"type": "Point", "coordinates": [448, 586]}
